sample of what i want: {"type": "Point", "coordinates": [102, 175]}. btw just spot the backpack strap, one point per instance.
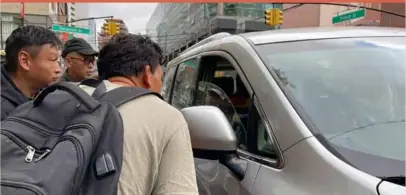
{"type": "Point", "coordinates": [91, 82]}
{"type": "Point", "coordinates": [90, 103]}
{"type": "Point", "coordinates": [95, 83]}
{"type": "Point", "coordinates": [99, 91]}
{"type": "Point", "coordinates": [116, 96]}
{"type": "Point", "coordinates": [122, 95]}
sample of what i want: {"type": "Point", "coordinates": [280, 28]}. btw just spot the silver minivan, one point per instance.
{"type": "Point", "coordinates": [313, 111]}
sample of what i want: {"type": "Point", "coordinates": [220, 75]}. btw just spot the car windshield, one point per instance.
{"type": "Point", "coordinates": [352, 91]}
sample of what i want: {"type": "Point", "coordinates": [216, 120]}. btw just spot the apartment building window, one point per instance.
{"type": "Point", "coordinates": [212, 9]}
{"type": "Point", "coordinates": [230, 9]}
{"type": "Point", "coordinates": [251, 10]}
{"type": "Point", "coordinates": [8, 23]}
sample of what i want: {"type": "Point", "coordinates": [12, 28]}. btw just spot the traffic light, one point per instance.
{"type": "Point", "coordinates": [106, 28]}
{"type": "Point", "coordinates": [273, 16]}
{"type": "Point", "coordinates": [268, 17]}
{"type": "Point", "coordinates": [277, 16]}
{"type": "Point", "coordinates": [111, 28]}
{"type": "Point", "coordinates": [117, 28]}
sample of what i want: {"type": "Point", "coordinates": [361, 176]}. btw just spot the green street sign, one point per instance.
{"type": "Point", "coordinates": [348, 16]}
{"type": "Point", "coordinates": [70, 29]}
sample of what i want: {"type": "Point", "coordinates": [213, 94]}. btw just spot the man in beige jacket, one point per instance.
{"type": "Point", "coordinates": [158, 157]}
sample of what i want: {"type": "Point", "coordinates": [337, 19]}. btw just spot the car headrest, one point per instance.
{"type": "Point", "coordinates": [226, 84]}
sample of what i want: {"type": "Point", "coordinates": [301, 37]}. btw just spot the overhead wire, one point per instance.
{"type": "Point", "coordinates": [336, 4]}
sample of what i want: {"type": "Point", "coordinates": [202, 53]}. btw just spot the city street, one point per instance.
{"type": "Point", "coordinates": [223, 98]}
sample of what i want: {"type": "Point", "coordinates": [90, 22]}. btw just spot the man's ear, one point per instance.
{"type": "Point", "coordinates": [147, 76]}
{"type": "Point", "coordinates": [67, 62]}
{"type": "Point", "coordinates": [24, 60]}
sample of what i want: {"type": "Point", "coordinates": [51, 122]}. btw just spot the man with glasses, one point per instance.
{"type": "Point", "coordinates": [79, 58]}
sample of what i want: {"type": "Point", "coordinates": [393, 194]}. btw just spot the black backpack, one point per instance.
{"type": "Point", "coordinates": [65, 142]}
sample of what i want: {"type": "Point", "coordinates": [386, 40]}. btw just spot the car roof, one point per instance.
{"type": "Point", "coordinates": [301, 34]}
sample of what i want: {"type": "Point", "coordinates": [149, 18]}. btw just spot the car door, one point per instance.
{"type": "Point", "coordinates": [214, 177]}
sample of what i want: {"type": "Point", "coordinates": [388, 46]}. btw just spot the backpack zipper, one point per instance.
{"type": "Point", "coordinates": [86, 126]}
{"type": "Point", "coordinates": [81, 168]}
{"type": "Point", "coordinates": [75, 126]}
{"type": "Point", "coordinates": [30, 150]}
{"type": "Point", "coordinates": [30, 154]}
{"type": "Point", "coordinates": [25, 122]}
{"type": "Point", "coordinates": [80, 173]}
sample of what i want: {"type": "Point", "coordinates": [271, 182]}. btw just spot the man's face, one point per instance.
{"type": "Point", "coordinates": [43, 69]}
{"type": "Point", "coordinates": [79, 65]}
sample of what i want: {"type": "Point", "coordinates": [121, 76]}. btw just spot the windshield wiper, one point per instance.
{"type": "Point", "coordinates": [364, 126]}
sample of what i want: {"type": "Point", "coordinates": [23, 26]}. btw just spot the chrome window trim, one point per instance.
{"type": "Point", "coordinates": [268, 127]}
{"type": "Point", "coordinates": [271, 162]}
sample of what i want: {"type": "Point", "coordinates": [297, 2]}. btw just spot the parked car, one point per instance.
{"type": "Point", "coordinates": [311, 111]}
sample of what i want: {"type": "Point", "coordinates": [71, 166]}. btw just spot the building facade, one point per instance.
{"type": "Point", "coordinates": [176, 26]}
{"type": "Point", "coordinates": [82, 12]}
{"type": "Point", "coordinates": [103, 37]}
{"type": "Point", "coordinates": [34, 14]}
{"type": "Point", "coordinates": [92, 38]}
{"type": "Point", "coordinates": [319, 15]}
{"type": "Point", "coordinates": [71, 11]}
{"type": "Point", "coordinates": [391, 20]}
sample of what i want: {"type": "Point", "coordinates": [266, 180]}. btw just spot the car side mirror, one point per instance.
{"type": "Point", "coordinates": [213, 137]}
{"type": "Point", "coordinates": [209, 129]}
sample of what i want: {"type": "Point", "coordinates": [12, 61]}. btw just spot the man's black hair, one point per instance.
{"type": "Point", "coordinates": [28, 37]}
{"type": "Point", "coordinates": [127, 55]}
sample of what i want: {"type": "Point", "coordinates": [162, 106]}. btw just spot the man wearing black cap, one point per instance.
{"type": "Point", "coordinates": [79, 58]}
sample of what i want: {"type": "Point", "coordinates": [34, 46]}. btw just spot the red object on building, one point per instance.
{"type": "Point", "coordinates": [64, 37]}
{"type": "Point", "coordinates": [22, 10]}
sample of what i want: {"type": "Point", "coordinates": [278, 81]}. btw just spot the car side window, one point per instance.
{"type": "Point", "coordinates": [185, 84]}
{"type": "Point", "coordinates": [213, 95]}
{"type": "Point", "coordinates": [167, 82]}
{"type": "Point", "coordinates": [222, 86]}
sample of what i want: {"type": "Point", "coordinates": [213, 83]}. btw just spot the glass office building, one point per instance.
{"type": "Point", "coordinates": [175, 26]}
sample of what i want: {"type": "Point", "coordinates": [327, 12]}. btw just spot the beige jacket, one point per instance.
{"type": "Point", "coordinates": [158, 158]}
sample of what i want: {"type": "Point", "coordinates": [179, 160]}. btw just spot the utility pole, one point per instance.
{"type": "Point", "coordinates": [1, 32]}
{"type": "Point", "coordinates": [166, 42]}
{"type": "Point", "coordinates": [95, 34]}
{"type": "Point", "coordinates": [22, 10]}
{"type": "Point", "coordinates": [165, 49]}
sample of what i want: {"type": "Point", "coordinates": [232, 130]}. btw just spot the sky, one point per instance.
{"type": "Point", "coordinates": [135, 15]}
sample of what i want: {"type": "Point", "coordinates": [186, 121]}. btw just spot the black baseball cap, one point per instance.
{"type": "Point", "coordinates": [78, 45]}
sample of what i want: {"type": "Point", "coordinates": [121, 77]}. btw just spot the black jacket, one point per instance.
{"type": "Point", "coordinates": [11, 96]}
